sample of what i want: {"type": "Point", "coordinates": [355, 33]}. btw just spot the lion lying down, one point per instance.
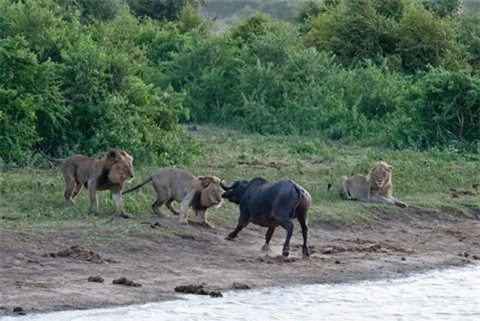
{"type": "Point", "coordinates": [376, 186]}
{"type": "Point", "coordinates": [109, 171]}
{"type": "Point", "coordinates": [174, 184]}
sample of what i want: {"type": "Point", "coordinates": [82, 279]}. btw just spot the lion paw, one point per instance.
{"type": "Point", "coordinates": [160, 214]}
{"type": "Point", "coordinates": [208, 224]}
{"type": "Point", "coordinates": [126, 215]}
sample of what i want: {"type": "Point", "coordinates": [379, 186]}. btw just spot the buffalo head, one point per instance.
{"type": "Point", "coordinates": [234, 191]}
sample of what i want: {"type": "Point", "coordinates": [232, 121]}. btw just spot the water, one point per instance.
{"type": "Point", "coordinates": [451, 294]}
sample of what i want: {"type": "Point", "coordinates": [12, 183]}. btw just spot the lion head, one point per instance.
{"type": "Point", "coordinates": [119, 165]}
{"type": "Point", "coordinates": [381, 174]}
{"type": "Point", "coordinates": [209, 193]}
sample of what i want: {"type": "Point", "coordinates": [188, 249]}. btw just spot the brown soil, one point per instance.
{"type": "Point", "coordinates": [57, 272]}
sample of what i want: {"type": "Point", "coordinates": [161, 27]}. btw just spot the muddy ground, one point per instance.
{"type": "Point", "coordinates": [60, 272]}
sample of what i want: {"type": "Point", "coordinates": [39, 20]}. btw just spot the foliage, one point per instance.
{"type": "Point", "coordinates": [90, 11]}
{"type": "Point", "coordinates": [402, 32]}
{"type": "Point", "coordinates": [448, 105]}
{"type": "Point", "coordinates": [354, 32]}
{"type": "Point", "coordinates": [424, 41]}
{"type": "Point", "coordinates": [256, 25]}
{"type": "Point", "coordinates": [31, 99]}
{"type": "Point", "coordinates": [81, 76]}
{"type": "Point", "coordinates": [161, 9]}
{"type": "Point", "coordinates": [207, 69]}
{"type": "Point", "coordinates": [238, 10]}
{"type": "Point", "coordinates": [443, 8]}
{"type": "Point", "coordinates": [79, 88]}
{"type": "Point", "coordinates": [468, 33]}
{"type": "Point", "coordinates": [39, 22]}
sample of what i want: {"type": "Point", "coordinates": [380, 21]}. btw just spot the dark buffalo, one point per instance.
{"type": "Point", "coordinates": [270, 204]}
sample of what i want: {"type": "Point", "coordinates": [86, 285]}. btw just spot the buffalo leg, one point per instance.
{"type": "Point", "coordinates": [268, 237]}
{"type": "Point", "coordinates": [235, 232]}
{"type": "Point", "coordinates": [303, 224]}
{"type": "Point", "coordinates": [287, 225]}
{"type": "Point", "coordinates": [243, 221]}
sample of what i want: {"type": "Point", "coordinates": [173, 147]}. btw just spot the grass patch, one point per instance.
{"type": "Point", "coordinates": [422, 179]}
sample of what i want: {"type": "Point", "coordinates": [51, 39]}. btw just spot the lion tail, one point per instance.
{"type": "Point", "coordinates": [51, 159]}
{"type": "Point", "coordinates": [145, 181]}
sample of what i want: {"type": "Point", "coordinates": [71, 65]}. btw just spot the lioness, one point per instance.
{"type": "Point", "coordinates": [376, 186]}
{"type": "Point", "coordinates": [174, 184]}
{"type": "Point", "coordinates": [109, 171]}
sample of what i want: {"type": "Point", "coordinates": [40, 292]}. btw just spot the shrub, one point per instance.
{"type": "Point", "coordinates": [468, 33]}
{"type": "Point", "coordinates": [354, 32]}
{"type": "Point", "coordinates": [448, 105]}
{"type": "Point", "coordinates": [425, 41]}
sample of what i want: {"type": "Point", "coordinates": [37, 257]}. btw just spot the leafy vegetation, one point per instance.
{"type": "Point", "coordinates": [84, 76]}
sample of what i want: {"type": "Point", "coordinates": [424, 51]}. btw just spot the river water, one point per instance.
{"type": "Point", "coordinates": [450, 294]}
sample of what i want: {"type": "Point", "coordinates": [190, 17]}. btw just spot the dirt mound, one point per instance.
{"type": "Point", "coordinates": [125, 281]}
{"type": "Point", "coordinates": [198, 289]}
{"type": "Point", "coordinates": [97, 279]}
{"type": "Point", "coordinates": [79, 253]}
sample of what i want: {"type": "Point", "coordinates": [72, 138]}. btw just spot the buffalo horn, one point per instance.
{"type": "Point", "coordinates": [226, 188]}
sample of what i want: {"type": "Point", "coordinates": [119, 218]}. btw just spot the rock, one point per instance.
{"type": "Point", "coordinates": [125, 281]}
{"type": "Point", "coordinates": [97, 279]}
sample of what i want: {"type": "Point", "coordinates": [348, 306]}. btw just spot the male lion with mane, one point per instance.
{"type": "Point", "coordinates": [109, 171]}
{"type": "Point", "coordinates": [174, 184]}
{"type": "Point", "coordinates": [375, 187]}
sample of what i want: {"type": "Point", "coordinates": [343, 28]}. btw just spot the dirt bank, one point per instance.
{"type": "Point", "coordinates": [59, 271]}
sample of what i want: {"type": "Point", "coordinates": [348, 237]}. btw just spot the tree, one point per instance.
{"type": "Point", "coordinates": [161, 9]}
{"type": "Point", "coordinates": [30, 100]}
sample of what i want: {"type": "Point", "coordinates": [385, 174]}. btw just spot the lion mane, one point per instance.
{"type": "Point", "coordinates": [174, 184]}
{"type": "Point", "coordinates": [375, 187]}
{"type": "Point", "coordinates": [109, 171]}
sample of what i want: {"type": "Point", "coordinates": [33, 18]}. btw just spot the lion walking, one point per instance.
{"type": "Point", "coordinates": [174, 184]}
{"type": "Point", "coordinates": [109, 171]}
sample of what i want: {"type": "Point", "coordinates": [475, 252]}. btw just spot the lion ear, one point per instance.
{"type": "Point", "coordinates": [206, 181]}
{"type": "Point", "coordinates": [129, 157]}
{"type": "Point", "coordinates": [390, 168]}
{"type": "Point", "coordinates": [112, 154]}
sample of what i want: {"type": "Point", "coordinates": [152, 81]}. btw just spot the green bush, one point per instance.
{"type": "Point", "coordinates": [468, 33]}
{"type": "Point", "coordinates": [159, 10]}
{"type": "Point", "coordinates": [31, 102]}
{"type": "Point", "coordinates": [90, 11]}
{"type": "Point", "coordinates": [443, 8]}
{"type": "Point", "coordinates": [425, 41]}
{"type": "Point", "coordinates": [77, 88]}
{"type": "Point", "coordinates": [207, 69]}
{"type": "Point", "coordinates": [81, 76]}
{"type": "Point", "coordinates": [354, 32]}
{"type": "Point", "coordinates": [448, 106]}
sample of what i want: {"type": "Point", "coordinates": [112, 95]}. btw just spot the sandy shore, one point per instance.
{"type": "Point", "coordinates": [50, 271]}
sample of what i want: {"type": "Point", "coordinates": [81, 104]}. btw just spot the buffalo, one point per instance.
{"type": "Point", "coordinates": [270, 204]}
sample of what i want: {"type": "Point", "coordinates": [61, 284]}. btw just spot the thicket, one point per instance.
{"type": "Point", "coordinates": [83, 76]}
